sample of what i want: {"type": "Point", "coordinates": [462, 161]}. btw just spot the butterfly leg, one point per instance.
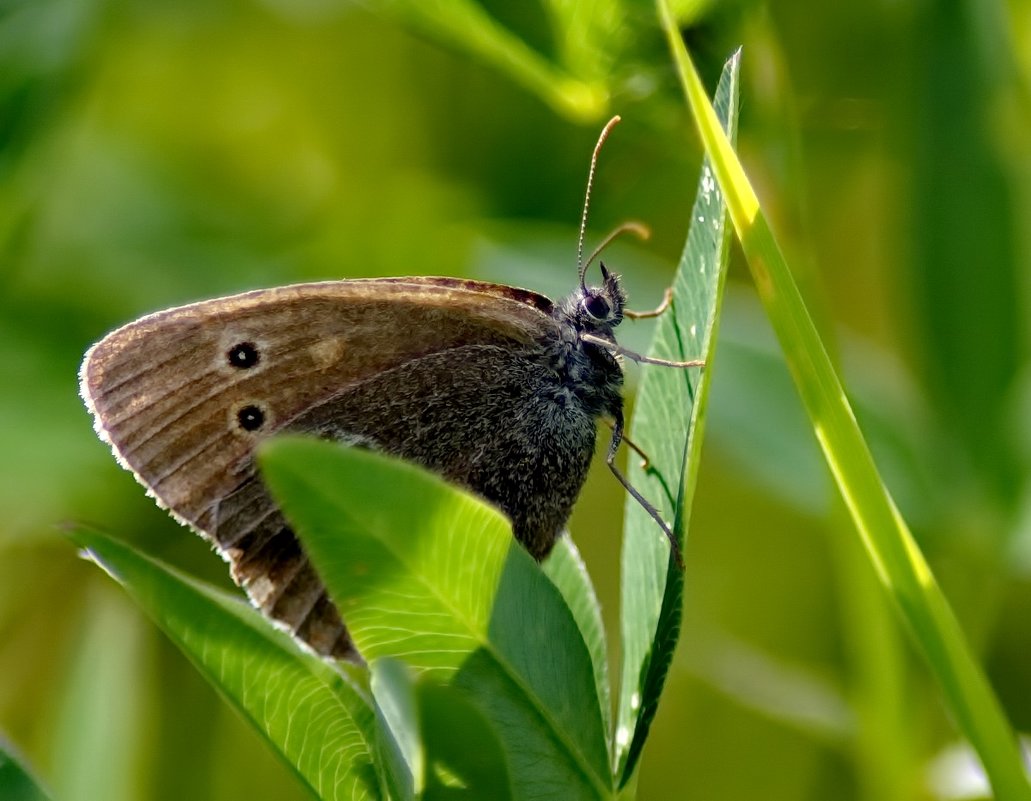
{"type": "Point", "coordinates": [667, 300]}
{"type": "Point", "coordinates": [619, 350]}
{"type": "Point", "coordinates": [645, 461]}
{"type": "Point", "coordinates": [610, 460]}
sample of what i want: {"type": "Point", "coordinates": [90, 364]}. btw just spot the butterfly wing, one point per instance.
{"type": "Point", "coordinates": [184, 395]}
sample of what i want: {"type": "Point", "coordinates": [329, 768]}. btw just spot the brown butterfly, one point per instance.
{"type": "Point", "coordinates": [495, 388]}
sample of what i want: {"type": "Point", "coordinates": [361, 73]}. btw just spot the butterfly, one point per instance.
{"type": "Point", "coordinates": [495, 388]}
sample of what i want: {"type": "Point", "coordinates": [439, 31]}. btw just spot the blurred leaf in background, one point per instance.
{"type": "Point", "coordinates": [155, 153]}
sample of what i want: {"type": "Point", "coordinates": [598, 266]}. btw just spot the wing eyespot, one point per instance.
{"type": "Point", "coordinates": [243, 355]}
{"type": "Point", "coordinates": [250, 418]}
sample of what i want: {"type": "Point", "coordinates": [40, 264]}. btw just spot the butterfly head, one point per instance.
{"type": "Point", "coordinates": [597, 309]}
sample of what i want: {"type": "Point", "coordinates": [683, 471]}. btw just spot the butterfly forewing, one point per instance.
{"type": "Point", "coordinates": [184, 395]}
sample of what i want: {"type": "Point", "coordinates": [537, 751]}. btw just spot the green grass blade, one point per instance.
{"type": "Point", "coordinates": [895, 554]}
{"type": "Point", "coordinates": [101, 735]}
{"type": "Point", "coordinates": [668, 424]}
{"type": "Point", "coordinates": [762, 440]}
{"type": "Point", "coordinates": [465, 24]}
{"type": "Point", "coordinates": [578, 27]}
{"type": "Point", "coordinates": [429, 575]}
{"type": "Point", "coordinates": [315, 719]}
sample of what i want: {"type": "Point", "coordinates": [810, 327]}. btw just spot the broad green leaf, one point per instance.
{"type": "Point", "coordinates": [401, 758]}
{"type": "Point", "coordinates": [567, 571]}
{"type": "Point", "coordinates": [429, 575]}
{"type": "Point", "coordinates": [890, 545]}
{"type": "Point", "coordinates": [464, 756]}
{"type": "Point", "coordinates": [314, 716]}
{"type": "Point", "coordinates": [16, 783]}
{"type": "Point", "coordinates": [668, 424]}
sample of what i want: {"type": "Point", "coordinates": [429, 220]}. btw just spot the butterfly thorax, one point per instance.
{"type": "Point", "coordinates": [588, 370]}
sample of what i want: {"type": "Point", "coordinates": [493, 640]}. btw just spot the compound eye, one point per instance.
{"type": "Point", "coordinates": [597, 307]}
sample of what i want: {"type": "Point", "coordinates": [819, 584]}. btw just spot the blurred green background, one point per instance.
{"type": "Point", "coordinates": [155, 153]}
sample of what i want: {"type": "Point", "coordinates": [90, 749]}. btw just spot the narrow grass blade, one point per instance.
{"type": "Point", "coordinates": [895, 554]}
{"type": "Point", "coordinates": [668, 425]}
{"type": "Point", "coordinates": [578, 27]}
{"type": "Point", "coordinates": [465, 24]}
{"type": "Point", "coordinates": [101, 734]}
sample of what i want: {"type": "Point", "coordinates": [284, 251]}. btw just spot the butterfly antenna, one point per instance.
{"type": "Point", "coordinates": [580, 265]}
{"type": "Point", "coordinates": [638, 229]}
